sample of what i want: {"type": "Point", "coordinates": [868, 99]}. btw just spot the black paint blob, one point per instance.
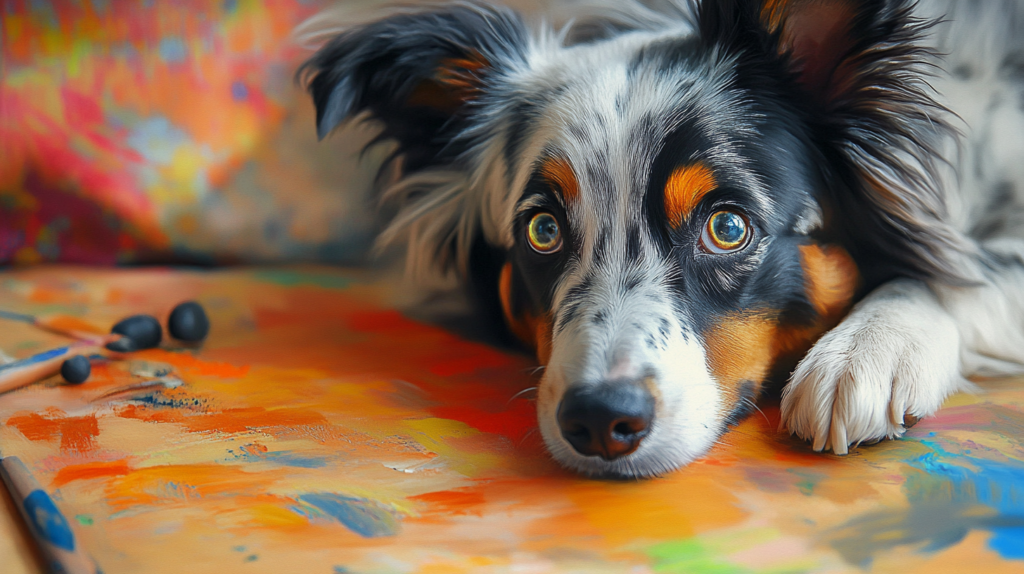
{"type": "Point", "coordinates": [76, 370]}
{"type": "Point", "coordinates": [188, 322]}
{"type": "Point", "coordinates": [142, 332]}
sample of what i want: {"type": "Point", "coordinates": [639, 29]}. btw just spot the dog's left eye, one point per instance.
{"type": "Point", "coordinates": [726, 231]}
{"type": "Point", "coordinates": [544, 234]}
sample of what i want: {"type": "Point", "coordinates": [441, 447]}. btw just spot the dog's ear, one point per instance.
{"type": "Point", "coordinates": [860, 71]}
{"type": "Point", "coordinates": [829, 45]}
{"type": "Point", "coordinates": [418, 72]}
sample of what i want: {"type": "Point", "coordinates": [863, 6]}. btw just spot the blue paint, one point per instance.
{"type": "Point", "coordinates": [239, 92]}
{"type": "Point", "coordinates": [48, 523]}
{"type": "Point", "coordinates": [999, 485]}
{"type": "Point", "coordinates": [289, 459]}
{"type": "Point", "coordinates": [173, 50]}
{"type": "Point", "coordinates": [364, 517]}
{"type": "Point", "coordinates": [284, 458]}
{"type": "Point", "coordinates": [230, 6]}
{"type": "Point", "coordinates": [45, 356]}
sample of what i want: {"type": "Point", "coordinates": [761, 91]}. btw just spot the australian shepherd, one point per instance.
{"type": "Point", "coordinates": [675, 202]}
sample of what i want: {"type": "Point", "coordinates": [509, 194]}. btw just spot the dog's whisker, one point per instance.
{"type": "Point", "coordinates": [758, 409]}
{"type": "Point", "coordinates": [522, 393]}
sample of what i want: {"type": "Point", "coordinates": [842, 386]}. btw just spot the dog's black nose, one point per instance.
{"type": "Point", "coordinates": [608, 420]}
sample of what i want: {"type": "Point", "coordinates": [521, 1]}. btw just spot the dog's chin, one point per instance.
{"type": "Point", "coordinates": [649, 461]}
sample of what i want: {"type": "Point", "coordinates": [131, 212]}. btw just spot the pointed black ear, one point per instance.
{"type": "Point", "coordinates": [416, 72]}
{"type": "Point", "coordinates": [829, 45]}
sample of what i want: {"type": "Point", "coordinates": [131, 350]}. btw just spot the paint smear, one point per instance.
{"type": "Point", "coordinates": [949, 495]}
{"type": "Point", "coordinates": [90, 470]}
{"type": "Point", "coordinates": [364, 517]}
{"type": "Point", "coordinates": [76, 433]}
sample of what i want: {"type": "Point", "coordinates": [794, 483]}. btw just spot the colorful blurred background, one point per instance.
{"type": "Point", "coordinates": [169, 132]}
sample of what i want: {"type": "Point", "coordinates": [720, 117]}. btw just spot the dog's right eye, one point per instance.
{"type": "Point", "coordinates": [544, 235]}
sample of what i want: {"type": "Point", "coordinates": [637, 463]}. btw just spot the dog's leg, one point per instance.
{"type": "Point", "coordinates": [903, 350]}
{"type": "Point", "coordinates": [896, 354]}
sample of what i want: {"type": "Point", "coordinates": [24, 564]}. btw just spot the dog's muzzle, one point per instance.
{"type": "Point", "coordinates": [609, 419]}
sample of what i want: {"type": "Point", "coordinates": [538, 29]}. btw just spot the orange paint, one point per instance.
{"type": "Point", "coordinates": [534, 331]}
{"type": "Point", "coordinates": [397, 412]}
{"type": "Point", "coordinates": [89, 471]}
{"type": "Point", "coordinates": [181, 483]}
{"type": "Point", "coordinates": [190, 366]}
{"type": "Point", "coordinates": [560, 174]}
{"type": "Point", "coordinates": [76, 433]}
{"type": "Point", "coordinates": [229, 420]}
{"type": "Point", "coordinates": [685, 188]}
{"type": "Point", "coordinates": [452, 502]}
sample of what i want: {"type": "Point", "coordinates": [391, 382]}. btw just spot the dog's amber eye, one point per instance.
{"type": "Point", "coordinates": [545, 236]}
{"type": "Point", "coordinates": [725, 231]}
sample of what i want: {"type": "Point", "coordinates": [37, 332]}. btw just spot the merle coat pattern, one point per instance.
{"type": "Point", "coordinates": [590, 181]}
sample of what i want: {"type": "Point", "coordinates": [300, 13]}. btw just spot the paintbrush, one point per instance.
{"type": "Point", "coordinates": [49, 528]}
{"type": "Point", "coordinates": [60, 324]}
{"type": "Point", "coordinates": [45, 364]}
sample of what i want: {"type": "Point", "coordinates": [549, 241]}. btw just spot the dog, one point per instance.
{"type": "Point", "coordinates": [676, 202]}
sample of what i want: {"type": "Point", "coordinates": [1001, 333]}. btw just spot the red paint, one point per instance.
{"type": "Point", "coordinates": [513, 423]}
{"type": "Point", "coordinates": [374, 321]}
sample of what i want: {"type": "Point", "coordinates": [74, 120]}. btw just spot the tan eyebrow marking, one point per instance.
{"type": "Point", "coordinates": [559, 173]}
{"type": "Point", "coordinates": [685, 188]}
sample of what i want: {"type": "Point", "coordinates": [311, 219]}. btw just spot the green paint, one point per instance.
{"type": "Point", "coordinates": [84, 519]}
{"type": "Point", "coordinates": [690, 557]}
{"type": "Point", "coordinates": [292, 278]}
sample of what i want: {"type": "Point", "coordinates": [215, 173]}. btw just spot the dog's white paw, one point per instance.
{"type": "Point", "coordinates": [896, 356]}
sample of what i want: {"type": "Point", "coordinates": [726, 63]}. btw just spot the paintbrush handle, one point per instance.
{"type": "Point", "coordinates": [50, 529]}
{"type": "Point", "coordinates": [60, 324]}
{"type": "Point", "coordinates": [38, 367]}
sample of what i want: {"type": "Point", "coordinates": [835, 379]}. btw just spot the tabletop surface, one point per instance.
{"type": "Point", "coordinates": [319, 429]}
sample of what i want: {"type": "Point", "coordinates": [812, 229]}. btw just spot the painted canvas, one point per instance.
{"type": "Point", "coordinates": [321, 429]}
{"type": "Point", "coordinates": [169, 131]}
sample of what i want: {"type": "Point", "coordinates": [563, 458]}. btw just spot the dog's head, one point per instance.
{"type": "Point", "coordinates": [679, 202]}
